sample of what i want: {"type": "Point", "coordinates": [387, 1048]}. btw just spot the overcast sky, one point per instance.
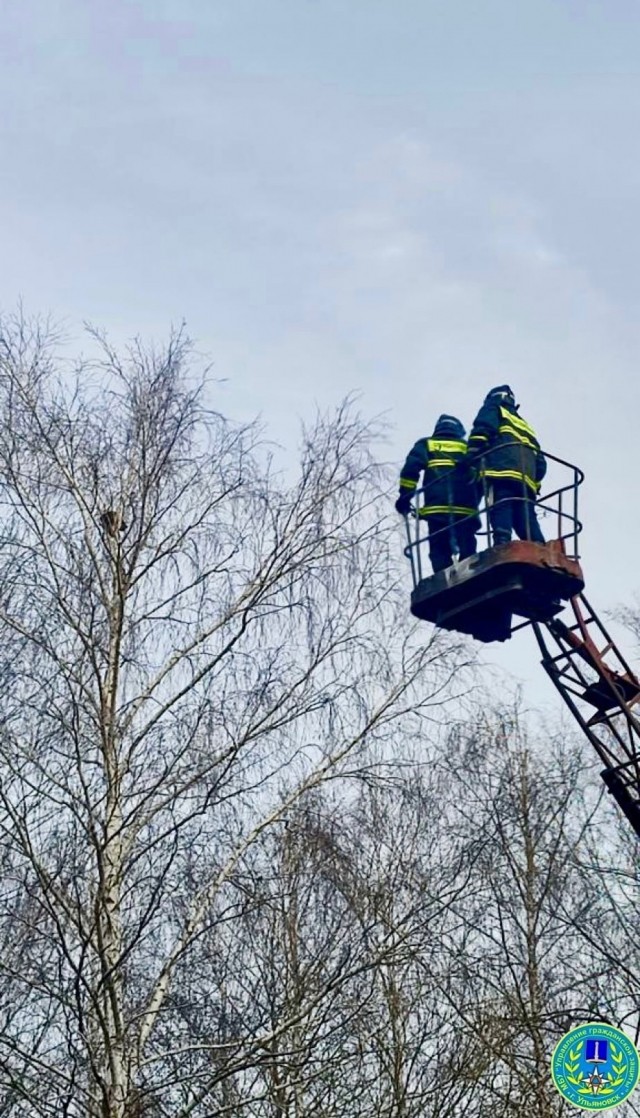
{"type": "Point", "coordinates": [416, 199]}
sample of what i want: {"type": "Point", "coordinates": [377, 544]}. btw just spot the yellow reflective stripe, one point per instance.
{"type": "Point", "coordinates": [491, 471]}
{"type": "Point", "coordinates": [519, 428]}
{"type": "Point", "coordinates": [505, 430]}
{"type": "Point", "coordinates": [479, 438]}
{"type": "Point", "coordinates": [517, 421]}
{"type": "Point", "coordinates": [434, 462]}
{"type": "Point", "coordinates": [446, 446]}
{"type": "Point", "coordinates": [407, 483]}
{"type": "Point", "coordinates": [433, 510]}
{"type": "Point", "coordinates": [516, 474]}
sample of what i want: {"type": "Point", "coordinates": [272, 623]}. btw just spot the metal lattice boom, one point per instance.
{"type": "Point", "coordinates": [602, 693]}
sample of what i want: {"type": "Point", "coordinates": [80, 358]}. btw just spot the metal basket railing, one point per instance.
{"type": "Point", "coordinates": [561, 502]}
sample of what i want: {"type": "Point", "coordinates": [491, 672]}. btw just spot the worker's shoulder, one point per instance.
{"type": "Point", "coordinates": [489, 410]}
{"type": "Point", "coordinates": [490, 406]}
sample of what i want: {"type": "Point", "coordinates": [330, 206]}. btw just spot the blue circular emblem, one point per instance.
{"type": "Point", "coordinates": [595, 1066]}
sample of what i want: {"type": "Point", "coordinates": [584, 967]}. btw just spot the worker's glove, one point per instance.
{"type": "Point", "coordinates": [403, 504]}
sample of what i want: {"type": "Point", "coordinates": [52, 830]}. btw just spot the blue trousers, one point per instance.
{"type": "Point", "coordinates": [449, 533]}
{"type": "Point", "coordinates": [513, 509]}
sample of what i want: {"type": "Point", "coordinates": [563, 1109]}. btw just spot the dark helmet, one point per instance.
{"type": "Point", "coordinates": [448, 425]}
{"type": "Point", "coordinates": [502, 392]}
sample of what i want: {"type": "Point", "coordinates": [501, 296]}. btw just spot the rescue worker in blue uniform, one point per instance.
{"type": "Point", "coordinates": [450, 506]}
{"type": "Point", "coordinates": [507, 461]}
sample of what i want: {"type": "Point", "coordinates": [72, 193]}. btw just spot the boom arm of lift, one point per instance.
{"type": "Point", "coordinates": [601, 692]}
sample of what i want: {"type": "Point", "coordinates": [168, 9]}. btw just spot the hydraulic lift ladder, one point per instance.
{"type": "Point", "coordinates": [602, 693]}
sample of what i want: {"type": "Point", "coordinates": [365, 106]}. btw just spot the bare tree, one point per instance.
{"type": "Point", "coordinates": [344, 948]}
{"type": "Point", "coordinates": [415, 869]}
{"type": "Point", "coordinates": [528, 975]}
{"type": "Point", "coordinates": [189, 646]}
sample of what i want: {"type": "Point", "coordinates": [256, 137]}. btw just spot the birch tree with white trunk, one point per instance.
{"type": "Point", "coordinates": [190, 643]}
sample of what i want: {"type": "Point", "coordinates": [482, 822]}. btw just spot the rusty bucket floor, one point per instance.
{"type": "Point", "coordinates": [481, 594]}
